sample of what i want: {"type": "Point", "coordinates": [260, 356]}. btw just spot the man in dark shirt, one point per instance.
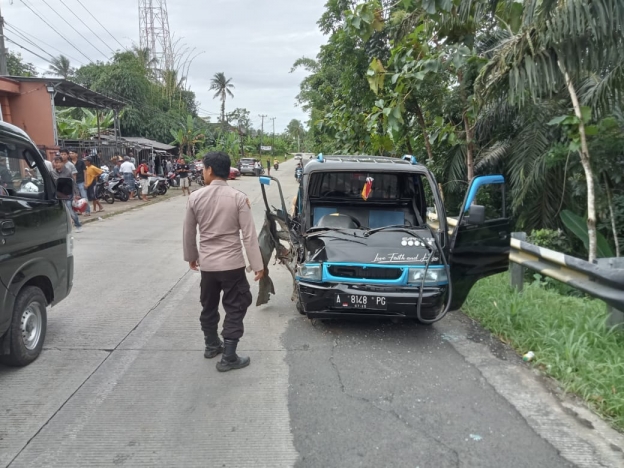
{"type": "Point", "coordinates": [81, 169]}
{"type": "Point", "coordinates": [269, 166]}
{"type": "Point", "coordinates": [183, 171]}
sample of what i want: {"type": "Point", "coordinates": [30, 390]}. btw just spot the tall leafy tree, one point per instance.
{"type": "Point", "coordinates": [16, 65]}
{"type": "Point", "coordinates": [223, 88]}
{"type": "Point", "coordinates": [61, 66]}
{"type": "Point", "coordinates": [557, 46]}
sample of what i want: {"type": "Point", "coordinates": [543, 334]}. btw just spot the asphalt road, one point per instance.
{"type": "Point", "coordinates": [123, 381]}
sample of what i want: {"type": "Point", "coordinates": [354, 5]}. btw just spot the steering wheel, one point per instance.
{"type": "Point", "coordinates": [3, 192]}
{"type": "Point", "coordinates": [355, 220]}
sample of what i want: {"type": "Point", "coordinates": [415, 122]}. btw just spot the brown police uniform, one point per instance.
{"type": "Point", "coordinates": [221, 213]}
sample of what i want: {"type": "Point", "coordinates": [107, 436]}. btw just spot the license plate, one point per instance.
{"type": "Point", "coordinates": [357, 301]}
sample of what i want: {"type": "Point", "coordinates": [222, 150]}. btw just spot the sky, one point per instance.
{"type": "Point", "coordinates": [254, 42]}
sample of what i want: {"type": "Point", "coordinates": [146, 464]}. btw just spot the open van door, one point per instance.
{"type": "Point", "coordinates": [277, 227]}
{"type": "Point", "coordinates": [480, 242]}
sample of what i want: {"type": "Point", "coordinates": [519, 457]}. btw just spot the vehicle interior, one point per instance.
{"type": "Point", "coordinates": [395, 199]}
{"type": "Point", "coordinates": [19, 174]}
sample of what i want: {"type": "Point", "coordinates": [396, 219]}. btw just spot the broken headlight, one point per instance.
{"type": "Point", "coordinates": [310, 272]}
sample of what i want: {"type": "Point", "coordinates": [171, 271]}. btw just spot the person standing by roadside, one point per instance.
{"type": "Point", "coordinates": [91, 179]}
{"type": "Point", "coordinates": [183, 172]}
{"type": "Point", "coordinates": [61, 170]}
{"type": "Point", "coordinates": [221, 212]}
{"type": "Point", "coordinates": [269, 166]}
{"type": "Point", "coordinates": [81, 170]}
{"type": "Point", "coordinates": [68, 164]}
{"type": "Point", "coordinates": [128, 171]}
{"type": "Point", "coordinates": [144, 175]}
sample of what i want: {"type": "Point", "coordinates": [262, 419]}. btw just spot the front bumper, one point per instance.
{"type": "Point", "coordinates": [318, 300]}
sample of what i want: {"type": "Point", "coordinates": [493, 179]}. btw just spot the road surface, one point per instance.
{"type": "Point", "coordinates": [122, 380]}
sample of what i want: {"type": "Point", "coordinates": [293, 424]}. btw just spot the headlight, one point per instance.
{"type": "Point", "coordinates": [310, 272]}
{"type": "Point", "coordinates": [433, 276]}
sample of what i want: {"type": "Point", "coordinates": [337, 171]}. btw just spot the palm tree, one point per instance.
{"type": "Point", "coordinates": [60, 66]}
{"type": "Point", "coordinates": [222, 86]}
{"type": "Point", "coordinates": [556, 47]}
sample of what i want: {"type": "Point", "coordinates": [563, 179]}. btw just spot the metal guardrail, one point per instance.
{"type": "Point", "coordinates": [603, 281]}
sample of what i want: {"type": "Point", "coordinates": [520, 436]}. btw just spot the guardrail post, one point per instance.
{"type": "Point", "coordinates": [517, 271]}
{"type": "Point", "coordinates": [616, 317]}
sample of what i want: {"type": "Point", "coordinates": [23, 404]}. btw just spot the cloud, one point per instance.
{"type": "Point", "coordinates": [253, 42]}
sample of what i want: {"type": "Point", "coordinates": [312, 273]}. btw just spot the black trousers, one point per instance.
{"type": "Point", "coordinates": [236, 299]}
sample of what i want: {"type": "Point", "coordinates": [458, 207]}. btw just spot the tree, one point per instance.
{"type": "Point", "coordinates": [223, 87]}
{"type": "Point", "coordinates": [555, 46]}
{"type": "Point", "coordinates": [18, 67]}
{"type": "Point", "coordinates": [187, 136]}
{"type": "Point", "coordinates": [61, 66]}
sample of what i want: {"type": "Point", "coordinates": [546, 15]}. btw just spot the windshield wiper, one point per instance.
{"type": "Point", "coordinates": [401, 228]}
{"type": "Point", "coordinates": [321, 230]}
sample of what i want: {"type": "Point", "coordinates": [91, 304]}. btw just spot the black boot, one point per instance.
{"type": "Point", "coordinates": [214, 345]}
{"type": "Point", "coordinates": [230, 360]}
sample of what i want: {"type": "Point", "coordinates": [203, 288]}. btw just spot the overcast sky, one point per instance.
{"type": "Point", "coordinates": [254, 42]}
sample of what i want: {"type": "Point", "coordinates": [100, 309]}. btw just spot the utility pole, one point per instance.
{"type": "Point", "coordinates": [3, 52]}
{"type": "Point", "coordinates": [262, 116]}
{"type": "Point", "coordinates": [273, 139]}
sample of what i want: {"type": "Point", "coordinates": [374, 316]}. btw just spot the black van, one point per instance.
{"type": "Point", "coordinates": [36, 246]}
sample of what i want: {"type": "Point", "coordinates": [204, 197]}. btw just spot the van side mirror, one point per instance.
{"type": "Point", "coordinates": [476, 215]}
{"type": "Point", "coordinates": [64, 188]}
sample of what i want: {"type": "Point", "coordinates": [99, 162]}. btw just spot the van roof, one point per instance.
{"type": "Point", "coordinates": [362, 163]}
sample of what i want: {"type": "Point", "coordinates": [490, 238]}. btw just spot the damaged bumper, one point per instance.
{"type": "Point", "coordinates": [340, 300]}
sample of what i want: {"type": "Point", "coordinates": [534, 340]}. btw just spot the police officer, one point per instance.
{"type": "Point", "coordinates": [222, 213]}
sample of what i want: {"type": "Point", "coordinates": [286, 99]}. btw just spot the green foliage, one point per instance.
{"type": "Point", "coordinates": [551, 239]}
{"type": "Point", "coordinates": [577, 226]}
{"type": "Point", "coordinates": [16, 65]}
{"type": "Point", "coordinates": [156, 105]}
{"type": "Point", "coordinates": [81, 123]}
{"type": "Point", "coordinates": [446, 81]}
{"type": "Point", "coordinates": [567, 334]}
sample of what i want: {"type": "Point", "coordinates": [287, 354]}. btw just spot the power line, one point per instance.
{"type": "Point", "coordinates": [87, 26]}
{"type": "Point", "coordinates": [98, 22]}
{"type": "Point", "coordinates": [70, 25]}
{"type": "Point", "coordinates": [25, 36]}
{"type": "Point", "coordinates": [27, 50]}
{"type": "Point", "coordinates": [54, 29]}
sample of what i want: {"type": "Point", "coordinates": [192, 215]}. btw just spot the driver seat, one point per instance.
{"type": "Point", "coordinates": [337, 221]}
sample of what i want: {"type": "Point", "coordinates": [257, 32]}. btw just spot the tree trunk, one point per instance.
{"type": "Point", "coordinates": [613, 225]}
{"type": "Point", "coordinates": [223, 112]}
{"type": "Point", "coordinates": [469, 150]}
{"type": "Point", "coordinates": [586, 163]}
{"type": "Point", "coordinates": [423, 126]}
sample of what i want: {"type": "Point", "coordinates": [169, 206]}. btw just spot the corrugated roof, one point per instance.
{"type": "Point", "coordinates": [149, 143]}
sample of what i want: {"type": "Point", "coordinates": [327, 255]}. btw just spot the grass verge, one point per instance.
{"type": "Point", "coordinates": [567, 334]}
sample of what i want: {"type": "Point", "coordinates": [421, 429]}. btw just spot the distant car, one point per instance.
{"type": "Point", "coordinates": [247, 166]}
{"type": "Point", "coordinates": [234, 173]}
{"type": "Point", "coordinates": [298, 156]}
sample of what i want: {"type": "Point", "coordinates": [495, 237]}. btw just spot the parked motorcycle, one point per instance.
{"type": "Point", "coordinates": [173, 180]}
{"type": "Point", "coordinates": [118, 187]}
{"type": "Point", "coordinates": [157, 186]}
{"type": "Point", "coordinates": [103, 191]}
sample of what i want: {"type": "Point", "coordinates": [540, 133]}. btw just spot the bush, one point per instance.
{"type": "Point", "coordinates": [551, 239]}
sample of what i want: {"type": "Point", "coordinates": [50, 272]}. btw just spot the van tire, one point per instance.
{"type": "Point", "coordinates": [29, 317]}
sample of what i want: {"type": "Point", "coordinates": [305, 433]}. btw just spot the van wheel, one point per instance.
{"type": "Point", "coordinates": [28, 327]}
{"type": "Point", "coordinates": [299, 307]}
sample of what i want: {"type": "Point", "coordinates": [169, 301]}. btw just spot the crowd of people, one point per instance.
{"type": "Point", "coordinates": [81, 168]}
